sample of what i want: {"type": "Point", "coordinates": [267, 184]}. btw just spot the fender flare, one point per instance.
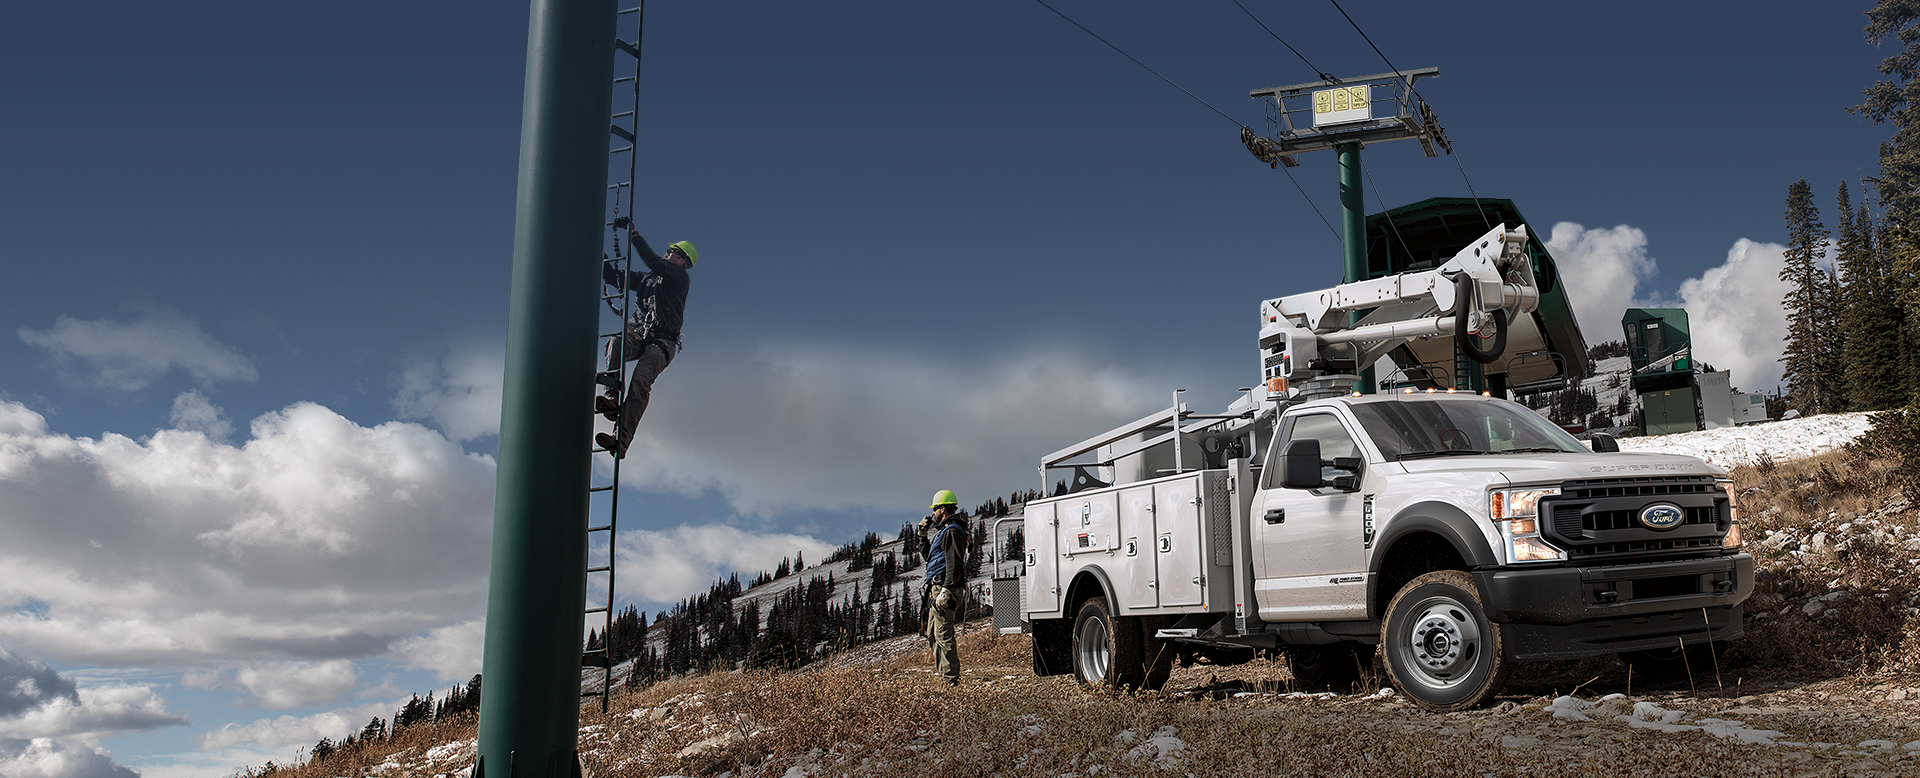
{"type": "Point", "coordinates": [1069, 608]}
{"type": "Point", "coordinates": [1438, 518]}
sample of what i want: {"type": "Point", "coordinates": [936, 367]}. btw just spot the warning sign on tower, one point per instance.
{"type": "Point", "coordinates": [1340, 106]}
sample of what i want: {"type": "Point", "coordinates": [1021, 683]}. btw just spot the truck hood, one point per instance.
{"type": "Point", "coordinates": [1530, 468]}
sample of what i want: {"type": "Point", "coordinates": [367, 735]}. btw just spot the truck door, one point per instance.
{"type": "Point", "coordinates": [1043, 559]}
{"type": "Point", "coordinates": [1312, 545]}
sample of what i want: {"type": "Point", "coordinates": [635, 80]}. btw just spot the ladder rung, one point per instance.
{"type": "Point", "coordinates": [623, 79]}
{"type": "Point", "coordinates": [600, 489]}
{"type": "Point", "coordinates": [622, 114]}
{"type": "Point", "coordinates": [626, 47]}
{"type": "Point", "coordinates": [621, 150]}
{"type": "Point", "coordinates": [609, 334]}
{"type": "Point", "coordinates": [601, 528]}
{"type": "Point", "coordinates": [589, 660]}
{"type": "Point", "coordinates": [622, 132]}
{"type": "Point", "coordinates": [596, 610]}
{"type": "Point", "coordinates": [600, 569]}
{"type": "Point", "coordinates": [589, 694]}
{"type": "Point", "coordinates": [613, 296]}
{"type": "Point", "coordinates": [617, 186]}
{"type": "Point", "coordinates": [629, 10]}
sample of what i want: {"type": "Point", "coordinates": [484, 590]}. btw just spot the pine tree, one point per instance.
{"type": "Point", "coordinates": [1804, 365]}
{"type": "Point", "coordinates": [1897, 100]}
{"type": "Point", "coordinates": [1873, 354]}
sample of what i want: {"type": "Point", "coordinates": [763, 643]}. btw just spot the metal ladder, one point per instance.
{"type": "Point", "coordinates": [619, 254]}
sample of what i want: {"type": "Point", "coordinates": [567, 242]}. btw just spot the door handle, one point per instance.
{"type": "Point", "coordinates": [1275, 516]}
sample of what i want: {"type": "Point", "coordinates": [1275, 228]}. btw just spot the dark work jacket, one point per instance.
{"type": "Point", "coordinates": [947, 555]}
{"type": "Point", "coordinates": [660, 296]}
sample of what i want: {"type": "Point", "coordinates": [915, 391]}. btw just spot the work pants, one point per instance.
{"type": "Point", "coordinates": [649, 358]}
{"type": "Point", "coordinates": [940, 624]}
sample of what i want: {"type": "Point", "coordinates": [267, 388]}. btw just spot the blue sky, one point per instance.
{"type": "Point", "coordinates": [254, 263]}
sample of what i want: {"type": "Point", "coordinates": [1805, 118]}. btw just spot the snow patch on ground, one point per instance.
{"type": "Point", "coordinates": [1648, 715]}
{"type": "Point", "coordinates": [1730, 447]}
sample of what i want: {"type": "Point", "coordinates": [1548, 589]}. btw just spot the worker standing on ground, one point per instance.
{"type": "Point", "coordinates": [946, 581]}
{"type": "Point", "coordinates": [653, 331]}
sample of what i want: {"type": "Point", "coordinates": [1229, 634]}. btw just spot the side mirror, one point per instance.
{"type": "Point", "coordinates": [1604, 443]}
{"type": "Point", "coordinates": [1300, 465]}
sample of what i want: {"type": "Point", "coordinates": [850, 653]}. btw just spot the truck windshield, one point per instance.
{"type": "Point", "coordinates": [1412, 429]}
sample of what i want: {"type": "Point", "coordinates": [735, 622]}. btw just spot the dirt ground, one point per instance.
{"type": "Point", "coordinates": [1244, 720]}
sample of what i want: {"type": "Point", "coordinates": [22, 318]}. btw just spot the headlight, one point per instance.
{"type": "Point", "coordinates": [1732, 539]}
{"type": "Point", "coordinates": [1516, 503]}
{"type": "Point", "coordinates": [1517, 513]}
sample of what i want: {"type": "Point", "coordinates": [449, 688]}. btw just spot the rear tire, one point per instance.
{"type": "Point", "coordinates": [1333, 667]}
{"type": "Point", "coordinates": [1106, 649]}
{"type": "Point", "coordinates": [1441, 649]}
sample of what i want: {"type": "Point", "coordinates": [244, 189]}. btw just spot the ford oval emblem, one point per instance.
{"type": "Point", "coordinates": [1662, 516]}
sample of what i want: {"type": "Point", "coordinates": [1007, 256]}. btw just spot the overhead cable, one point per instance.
{"type": "Point", "coordinates": [1316, 208]}
{"type": "Point", "coordinates": [1324, 76]}
{"type": "Point", "coordinates": [1223, 114]}
{"type": "Point", "coordinates": [1415, 93]}
{"type": "Point", "coordinates": [1096, 36]}
{"type": "Point", "coordinates": [1385, 211]}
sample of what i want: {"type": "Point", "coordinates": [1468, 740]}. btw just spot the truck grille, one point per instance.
{"type": "Point", "coordinates": [1599, 517]}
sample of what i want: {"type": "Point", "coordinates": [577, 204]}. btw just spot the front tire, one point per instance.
{"type": "Point", "coordinates": [1441, 649]}
{"type": "Point", "coordinates": [1106, 649]}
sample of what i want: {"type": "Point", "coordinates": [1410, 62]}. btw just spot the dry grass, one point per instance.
{"type": "Point", "coordinates": [1833, 526]}
{"type": "Point", "coordinates": [412, 744]}
{"type": "Point", "coordinates": [898, 720]}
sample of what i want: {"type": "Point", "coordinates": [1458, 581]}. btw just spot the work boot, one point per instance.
{"type": "Point", "coordinates": [607, 442]}
{"type": "Point", "coordinates": [607, 406]}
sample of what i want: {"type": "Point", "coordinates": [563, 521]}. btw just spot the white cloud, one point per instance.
{"type": "Point", "coordinates": [671, 565]}
{"type": "Point", "coordinates": [283, 732]}
{"type": "Point", "coordinates": [128, 356]}
{"type": "Point", "coordinates": [277, 685]}
{"type": "Point", "coordinates": [1733, 309]}
{"type": "Point", "coordinates": [1602, 270]}
{"type": "Point", "coordinates": [451, 653]}
{"type": "Point", "coordinates": [459, 393]}
{"type": "Point", "coordinates": [1736, 315]}
{"type": "Point", "coordinates": [48, 724]}
{"type": "Point", "coordinates": [316, 539]}
{"type": "Point", "coordinates": [809, 426]}
{"type": "Point", "coordinates": [193, 412]}
{"type": "Point", "coordinates": [97, 711]}
{"type": "Point", "coordinates": [48, 758]}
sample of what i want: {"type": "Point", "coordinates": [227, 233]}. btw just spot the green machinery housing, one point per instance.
{"type": "Point", "coordinates": [1543, 349]}
{"type": "Point", "coordinates": [1660, 348]}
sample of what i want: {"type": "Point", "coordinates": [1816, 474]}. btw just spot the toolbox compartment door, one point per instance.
{"type": "Point", "coordinates": [1177, 542]}
{"type": "Point", "coordinates": [1137, 561]}
{"type": "Point", "coordinates": [1043, 559]}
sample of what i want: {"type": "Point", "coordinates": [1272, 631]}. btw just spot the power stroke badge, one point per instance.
{"type": "Point", "coordinates": [1662, 516]}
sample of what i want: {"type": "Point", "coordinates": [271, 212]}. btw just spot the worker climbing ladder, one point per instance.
{"type": "Point", "coordinates": [605, 497]}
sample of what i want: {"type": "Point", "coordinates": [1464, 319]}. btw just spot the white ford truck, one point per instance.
{"type": "Point", "coordinates": [1454, 533]}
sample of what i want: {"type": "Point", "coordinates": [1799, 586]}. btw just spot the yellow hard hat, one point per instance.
{"type": "Point", "coordinates": [686, 247]}
{"type": "Point", "coordinates": [944, 497]}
